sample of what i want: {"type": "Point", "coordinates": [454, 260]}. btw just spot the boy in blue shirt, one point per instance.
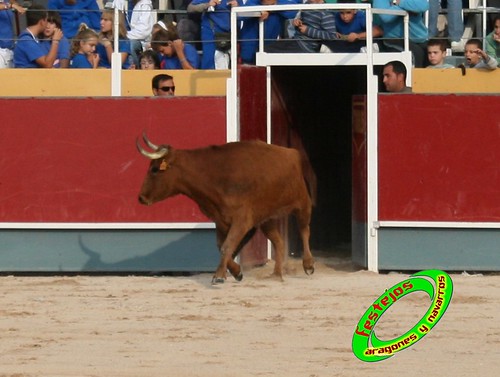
{"type": "Point", "coordinates": [29, 51]}
{"type": "Point", "coordinates": [351, 29]}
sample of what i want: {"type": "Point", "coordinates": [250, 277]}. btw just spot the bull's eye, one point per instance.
{"type": "Point", "coordinates": [154, 169]}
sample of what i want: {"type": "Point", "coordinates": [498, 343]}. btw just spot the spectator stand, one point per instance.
{"type": "Point", "coordinates": [368, 59]}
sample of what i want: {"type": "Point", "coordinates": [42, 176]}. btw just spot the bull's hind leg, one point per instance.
{"type": "Point", "coordinates": [303, 219]}
{"type": "Point", "coordinates": [271, 230]}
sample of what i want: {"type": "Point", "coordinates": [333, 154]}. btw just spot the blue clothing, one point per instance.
{"type": "Point", "coordinates": [454, 17]}
{"type": "Point", "coordinates": [63, 50]}
{"type": "Point", "coordinates": [28, 49]}
{"type": "Point", "coordinates": [80, 61]}
{"type": "Point", "coordinates": [86, 11]}
{"type": "Point", "coordinates": [123, 46]}
{"type": "Point", "coordinates": [393, 25]}
{"type": "Point", "coordinates": [7, 29]}
{"type": "Point", "coordinates": [174, 62]}
{"type": "Point", "coordinates": [320, 27]}
{"type": "Point", "coordinates": [273, 26]}
{"type": "Point", "coordinates": [357, 25]}
{"type": "Point", "coordinates": [211, 23]}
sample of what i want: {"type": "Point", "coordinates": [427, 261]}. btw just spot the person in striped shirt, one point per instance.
{"type": "Point", "coordinates": [312, 27]}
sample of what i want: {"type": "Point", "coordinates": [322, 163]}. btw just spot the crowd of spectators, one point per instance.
{"type": "Point", "coordinates": [202, 41]}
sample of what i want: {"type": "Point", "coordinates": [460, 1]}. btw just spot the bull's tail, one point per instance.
{"type": "Point", "coordinates": [310, 180]}
{"type": "Point", "coordinates": [307, 170]}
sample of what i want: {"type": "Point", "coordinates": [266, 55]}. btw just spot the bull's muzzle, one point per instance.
{"type": "Point", "coordinates": [143, 200]}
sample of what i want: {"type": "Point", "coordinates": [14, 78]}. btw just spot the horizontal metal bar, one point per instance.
{"type": "Point", "coordinates": [145, 226]}
{"type": "Point", "coordinates": [438, 224]}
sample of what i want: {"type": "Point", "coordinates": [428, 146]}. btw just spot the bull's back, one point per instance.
{"type": "Point", "coordinates": [256, 162]}
{"type": "Point", "coordinates": [266, 177]}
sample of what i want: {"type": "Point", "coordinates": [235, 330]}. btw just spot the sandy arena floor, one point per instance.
{"type": "Point", "coordinates": [183, 326]}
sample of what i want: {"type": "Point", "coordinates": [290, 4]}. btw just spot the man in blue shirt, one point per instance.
{"type": "Point", "coordinates": [74, 13]}
{"type": "Point", "coordinates": [29, 51]}
{"type": "Point", "coordinates": [7, 31]}
{"type": "Point", "coordinates": [393, 28]}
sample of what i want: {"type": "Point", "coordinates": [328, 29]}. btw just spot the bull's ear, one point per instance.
{"type": "Point", "coordinates": [164, 165]}
{"type": "Point", "coordinates": [159, 153]}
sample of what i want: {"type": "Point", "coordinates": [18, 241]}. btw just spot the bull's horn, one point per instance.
{"type": "Point", "coordinates": [148, 142]}
{"type": "Point", "coordinates": [151, 155]}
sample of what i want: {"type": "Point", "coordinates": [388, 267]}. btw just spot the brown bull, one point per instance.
{"type": "Point", "coordinates": [241, 186]}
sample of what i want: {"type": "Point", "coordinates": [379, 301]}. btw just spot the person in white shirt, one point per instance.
{"type": "Point", "coordinates": [139, 24]}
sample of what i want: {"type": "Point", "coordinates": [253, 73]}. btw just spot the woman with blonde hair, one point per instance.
{"type": "Point", "coordinates": [106, 39]}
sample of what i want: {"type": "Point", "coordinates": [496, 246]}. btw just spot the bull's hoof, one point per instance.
{"type": "Point", "coordinates": [216, 280]}
{"type": "Point", "coordinates": [239, 277]}
{"type": "Point", "coordinates": [276, 276]}
{"type": "Point", "coordinates": [309, 270]}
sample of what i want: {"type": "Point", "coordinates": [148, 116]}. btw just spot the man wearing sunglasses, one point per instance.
{"type": "Point", "coordinates": [163, 86]}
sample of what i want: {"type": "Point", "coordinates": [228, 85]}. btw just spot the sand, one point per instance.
{"type": "Point", "coordinates": [183, 326]}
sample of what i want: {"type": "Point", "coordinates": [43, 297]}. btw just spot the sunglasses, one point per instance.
{"type": "Point", "coordinates": [167, 88]}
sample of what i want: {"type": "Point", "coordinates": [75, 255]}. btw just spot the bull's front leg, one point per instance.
{"type": "Point", "coordinates": [227, 249]}
{"type": "Point", "coordinates": [233, 267]}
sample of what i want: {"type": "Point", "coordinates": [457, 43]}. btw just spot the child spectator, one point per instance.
{"type": "Point", "coordinates": [311, 29]}
{"type": "Point", "coordinates": [453, 19]}
{"type": "Point", "coordinates": [7, 32]}
{"type": "Point", "coordinates": [175, 53]}
{"type": "Point", "coordinates": [149, 60]}
{"type": "Point", "coordinates": [140, 24]}
{"type": "Point", "coordinates": [477, 58]}
{"type": "Point", "coordinates": [74, 13]}
{"type": "Point", "coordinates": [83, 49]}
{"type": "Point", "coordinates": [63, 52]}
{"type": "Point", "coordinates": [106, 44]}
{"type": "Point", "coordinates": [493, 40]}
{"type": "Point", "coordinates": [29, 52]}
{"type": "Point", "coordinates": [351, 29]}
{"type": "Point", "coordinates": [436, 53]}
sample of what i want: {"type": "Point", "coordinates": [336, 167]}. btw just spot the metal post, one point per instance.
{"type": "Point", "coordinates": [116, 61]}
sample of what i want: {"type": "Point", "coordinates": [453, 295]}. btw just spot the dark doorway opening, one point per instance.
{"type": "Point", "coordinates": [318, 102]}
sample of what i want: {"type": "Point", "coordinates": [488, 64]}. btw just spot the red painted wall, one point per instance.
{"type": "Point", "coordinates": [439, 158]}
{"type": "Point", "coordinates": [74, 160]}
{"type": "Point", "coordinates": [252, 92]}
